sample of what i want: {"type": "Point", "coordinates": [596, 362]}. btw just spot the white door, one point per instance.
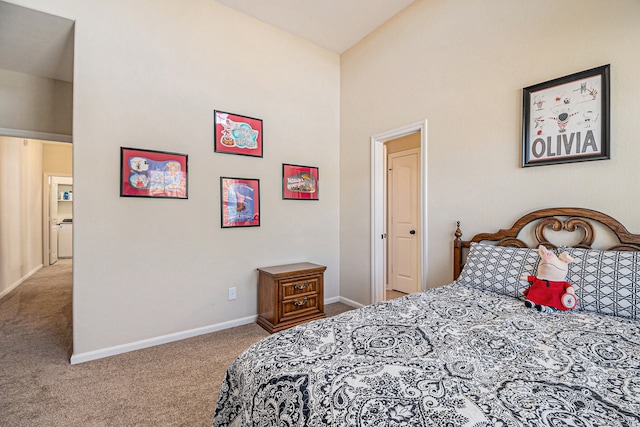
{"type": "Point", "coordinates": [404, 220]}
{"type": "Point", "coordinates": [53, 221]}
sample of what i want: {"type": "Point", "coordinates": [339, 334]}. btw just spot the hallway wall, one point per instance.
{"type": "Point", "coordinates": [20, 211]}
{"type": "Point", "coordinates": [57, 158]}
{"type": "Point", "coordinates": [36, 104]}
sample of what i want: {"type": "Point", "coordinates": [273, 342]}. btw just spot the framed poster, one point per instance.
{"type": "Point", "coordinates": [236, 134]}
{"type": "Point", "coordinates": [239, 202]}
{"type": "Point", "coordinates": [567, 119]}
{"type": "Point", "coordinates": [299, 182]}
{"type": "Point", "coordinates": [149, 173]}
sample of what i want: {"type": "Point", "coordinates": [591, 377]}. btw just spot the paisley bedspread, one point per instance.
{"type": "Point", "coordinates": [451, 356]}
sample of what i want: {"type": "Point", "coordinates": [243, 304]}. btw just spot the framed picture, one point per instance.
{"type": "Point", "coordinates": [236, 134]}
{"type": "Point", "coordinates": [148, 173]}
{"type": "Point", "coordinates": [299, 182]}
{"type": "Point", "coordinates": [240, 202]}
{"type": "Point", "coordinates": [567, 119]}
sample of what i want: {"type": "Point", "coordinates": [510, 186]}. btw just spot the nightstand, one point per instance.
{"type": "Point", "coordinates": [289, 295]}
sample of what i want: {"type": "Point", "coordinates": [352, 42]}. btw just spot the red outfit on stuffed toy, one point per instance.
{"type": "Point", "coordinates": [546, 292]}
{"type": "Point", "coordinates": [549, 289]}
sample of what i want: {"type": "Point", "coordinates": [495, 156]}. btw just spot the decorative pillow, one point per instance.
{"type": "Point", "coordinates": [498, 268]}
{"type": "Point", "coordinates": [606, 281]}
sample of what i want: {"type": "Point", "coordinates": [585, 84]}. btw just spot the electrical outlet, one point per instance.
{"type": "Point", "coordinates": [232, 293]}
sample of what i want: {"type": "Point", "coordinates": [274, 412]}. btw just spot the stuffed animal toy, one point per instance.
{"type": "Point", "coordinates": [549, 291]}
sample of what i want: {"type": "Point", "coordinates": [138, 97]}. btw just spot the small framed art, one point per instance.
{"type": "Point", "coordinates": [567, 119]}
{"type": "Point", "coordinates": [236, 134]}
{"type": "Point", "coordinates": [240, 202]}
{"type": "Point", "coordinates": [300, 182]}
{"type": "Point", "coordinates": [150, 173]}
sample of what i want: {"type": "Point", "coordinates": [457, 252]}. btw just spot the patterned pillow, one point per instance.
{"type": "Point", "coordinates": [498, 268]}
{"type": "Point", "coordinates": [606, 281]}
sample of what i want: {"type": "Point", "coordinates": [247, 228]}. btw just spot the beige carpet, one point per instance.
{"type": "Point", "coordinates": [174, 384]}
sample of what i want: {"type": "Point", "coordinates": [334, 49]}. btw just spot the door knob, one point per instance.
{"type": "Point", "coordinates": [412, 232]}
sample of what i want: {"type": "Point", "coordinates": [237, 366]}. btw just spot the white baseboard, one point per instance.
{"type": "Point", "coordinates": [16, 284]}
{"type": "Point", "coordinates": [331, 300]}
{"type": "Point", "coordinates": [164, 339]}
{"type": "Point", "coordinates": [344, 301]}
{"type": "Point", "coordinates": [350, 302]}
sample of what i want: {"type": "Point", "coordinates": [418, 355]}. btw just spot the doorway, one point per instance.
{"type": "Point", "coordinates": [379, 208]}
{"type": "Point", "coordinates": [39, 107]}
{"type": "Point", "coordinates": [403, 217]}
{"type": "Point", "coordinates": [57, 216]}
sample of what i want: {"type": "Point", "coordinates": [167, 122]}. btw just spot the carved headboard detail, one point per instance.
{"type": "Point", "coordinates": [556, 219]}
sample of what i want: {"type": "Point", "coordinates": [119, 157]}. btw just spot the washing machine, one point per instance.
{"type": "Point", "coordinates": [65, 239]}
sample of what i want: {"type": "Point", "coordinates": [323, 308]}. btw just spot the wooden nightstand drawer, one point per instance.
{"type": "Point", "coordinates": [300, 286]}
{"type": "Point", "coordinates": [289, 295]}
{"type": "Point", "coordinates": [300, 306]}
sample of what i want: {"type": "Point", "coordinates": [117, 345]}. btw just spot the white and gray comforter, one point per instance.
{"type": "Point", "coordinates": [451, 356]}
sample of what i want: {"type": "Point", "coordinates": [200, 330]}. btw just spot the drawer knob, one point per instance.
{"type": "Point", "coordinates": [300, 287]}
{"type": "Point", "coordinates": [299, 303]}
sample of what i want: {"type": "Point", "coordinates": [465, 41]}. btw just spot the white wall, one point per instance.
{"type": "Point", "coordinates": [462, 66]}
{"type": "Point", "coordinates": [35, 104]}
{"type": "Point", "coordinates": [20, 211]}
{"type": "Point", "coordinates": [148, 74]}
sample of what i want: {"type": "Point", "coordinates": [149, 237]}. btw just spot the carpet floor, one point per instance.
{"type": "Point", "coordinates": [174, 384]}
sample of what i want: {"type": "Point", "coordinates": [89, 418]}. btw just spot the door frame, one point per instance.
{"type": "Point", "coordinates": [379, 206]}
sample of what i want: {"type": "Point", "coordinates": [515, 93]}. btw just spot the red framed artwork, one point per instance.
{"type": "Point", "coordinates": [236, 134]}
{"type": "Point", "coordinates": [300, 182]}
{"type": "Point", "coordinates": [239, 202]}
{"type": "Point", "coordinates": [149, 173]}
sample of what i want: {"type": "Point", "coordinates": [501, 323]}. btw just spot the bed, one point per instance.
{"type": "Point", "coordinates": [468, 353]}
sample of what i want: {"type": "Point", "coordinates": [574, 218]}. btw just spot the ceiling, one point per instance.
{"type": "Point", "coordinates": [335, 25]}
{"type": "Point", "coordinates": [40, 44]}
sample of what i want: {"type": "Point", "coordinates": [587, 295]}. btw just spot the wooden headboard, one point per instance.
{"type": "Point", "coordinates": [556, 219]}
